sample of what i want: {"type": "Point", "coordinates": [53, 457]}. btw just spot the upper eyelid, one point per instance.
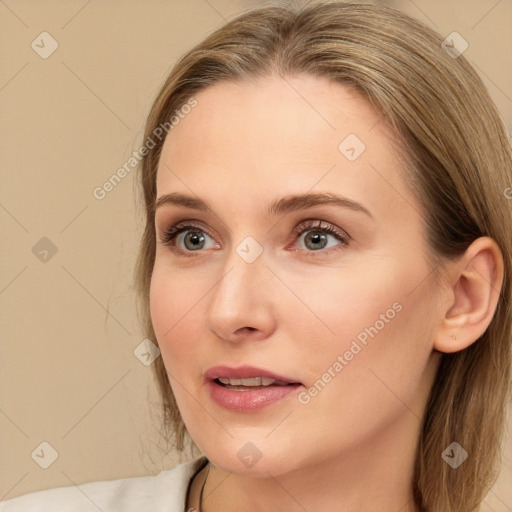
{"type": "Point", "coordinates": [308, 224]}
{"type": "Point", "coordinates": [186, 225]}
{"type": "Point", "coordinates": [322, 224]}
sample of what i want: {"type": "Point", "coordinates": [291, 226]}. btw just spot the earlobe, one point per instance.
{"type": "Point", "coordinates": [477, 279]}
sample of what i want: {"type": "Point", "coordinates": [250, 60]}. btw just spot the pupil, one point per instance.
{"type": "Point", "coordinates": [315, 239]}
{"type": "Point", "coordinates": [195, 238]}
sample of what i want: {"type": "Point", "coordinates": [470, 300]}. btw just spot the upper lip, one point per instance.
{"type": "Point", "coordinates": [245, 372]}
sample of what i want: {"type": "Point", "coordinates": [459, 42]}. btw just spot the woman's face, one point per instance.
{"type": "Point", "coordinates": [337, 297]}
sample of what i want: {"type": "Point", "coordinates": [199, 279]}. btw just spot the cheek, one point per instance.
{"type": "Point", "coordinates": [344, 306]}
{"type": "Point", "coordinates": [373, 369]}
{"type": "Point", "coordinates": [172, 303]}
{"type": "Point", "coordinates": [370, 337]}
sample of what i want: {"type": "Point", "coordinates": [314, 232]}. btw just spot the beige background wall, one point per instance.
{"type": "Point", "coordinates": [69, 376]}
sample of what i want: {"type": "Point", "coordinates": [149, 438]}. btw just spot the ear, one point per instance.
{"type": "Point", "coordinates": [474, 286]}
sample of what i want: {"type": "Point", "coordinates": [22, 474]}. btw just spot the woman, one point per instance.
{"type": "Point", "coordinates": [326, 268]}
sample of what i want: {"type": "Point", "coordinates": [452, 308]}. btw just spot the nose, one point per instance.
{"type": "Point", "coordinates": [242, 301]}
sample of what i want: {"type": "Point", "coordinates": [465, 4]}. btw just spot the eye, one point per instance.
{"type": "Point", "coordinates": [317, 236]}
{"type": "Point", "coordinates": [194, 238]}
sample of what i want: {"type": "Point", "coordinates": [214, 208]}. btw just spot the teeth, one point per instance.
{"type": "Point", "coordinates": [254, 381]}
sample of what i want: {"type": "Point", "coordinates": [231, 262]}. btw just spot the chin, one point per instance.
{"type": "Point", "coordinates": [242, 456]}
{"type": "Point", "coordinates": [261, 468]}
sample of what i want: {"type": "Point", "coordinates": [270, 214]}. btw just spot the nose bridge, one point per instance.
{"type": "Point", "coordinates": [240, 298]}
{"type": "Point", "coordinates": [243, 271]}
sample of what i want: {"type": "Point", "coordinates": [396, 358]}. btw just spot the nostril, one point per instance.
{"type": "Point", "coordinates": [244, 330]}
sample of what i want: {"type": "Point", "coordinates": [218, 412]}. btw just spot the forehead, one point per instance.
{"type": "Point", "coordinates": [286, 134]}
{"type": "Point", "coordinates": [301, 110]}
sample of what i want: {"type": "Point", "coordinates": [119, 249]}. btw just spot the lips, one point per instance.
{"type": "Point", "coordinates": [248, 372]}
{"type": "Point", "coordinates": [247, 388]}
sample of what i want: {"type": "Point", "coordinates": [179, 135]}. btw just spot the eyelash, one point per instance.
{"type": "Point", "coordinates": [172, 232]}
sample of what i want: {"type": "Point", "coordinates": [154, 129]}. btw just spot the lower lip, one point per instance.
{"type": "Point", "coordinates": [251, 400]}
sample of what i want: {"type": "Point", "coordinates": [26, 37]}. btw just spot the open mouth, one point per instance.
{"type": "Point", "coordinates": [248, 388]}
{"type": "Point", "coordinates": [252, 383]}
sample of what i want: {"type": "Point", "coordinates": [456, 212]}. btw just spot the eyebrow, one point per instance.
{"type": "Point", "coordinates": [277, 207]}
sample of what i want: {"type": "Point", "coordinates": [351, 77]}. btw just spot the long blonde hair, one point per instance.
{"type": "Point", "coordinates": [459, 166]}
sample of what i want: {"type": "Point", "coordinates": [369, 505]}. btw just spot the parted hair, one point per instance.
{"type": "Point", "coordinates": [458, 163]}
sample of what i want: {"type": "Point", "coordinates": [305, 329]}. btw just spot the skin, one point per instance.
{"type": "Point", "coordinates": [353, 445]}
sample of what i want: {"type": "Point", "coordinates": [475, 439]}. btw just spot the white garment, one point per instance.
{"type": "Point", "coordinates": [165, 492]}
